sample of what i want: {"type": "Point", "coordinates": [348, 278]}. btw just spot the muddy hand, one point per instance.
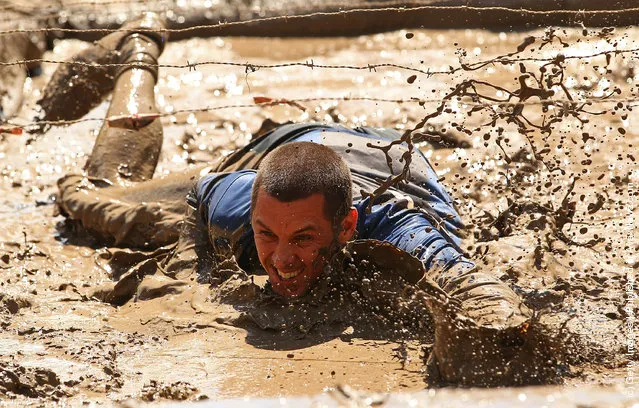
{"type": "Point", "coordinates": [468, 353]}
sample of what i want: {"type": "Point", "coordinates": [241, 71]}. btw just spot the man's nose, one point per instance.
{"type": "Point", "coordinates": [284, 256]}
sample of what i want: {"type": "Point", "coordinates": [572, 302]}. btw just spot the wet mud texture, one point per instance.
{"type": "Point", "coordinates": [32, 383]}
{"type": "Point", "coordinates": [548, 203]}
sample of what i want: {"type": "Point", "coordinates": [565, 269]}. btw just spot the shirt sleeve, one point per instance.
{"type": "Point", "coordinates": [413, 231]}
{"type": "Point", "coordinates": [224, 203]}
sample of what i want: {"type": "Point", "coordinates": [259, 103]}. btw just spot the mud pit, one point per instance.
{"type": "Point", "coordinates": [515, 193]}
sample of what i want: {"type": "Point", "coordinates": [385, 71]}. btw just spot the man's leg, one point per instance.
{"type": "Point", "coordinates": [16, 47]}
{"type": "Point", "coordinates": [128, 151]}
{"type": "Point", "coordinates": [81, 87]}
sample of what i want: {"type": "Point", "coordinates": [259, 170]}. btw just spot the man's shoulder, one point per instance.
{"type": "Point", "coordinates": [223, 196]}
{"type": "Point", "coordinates": [210, 182]}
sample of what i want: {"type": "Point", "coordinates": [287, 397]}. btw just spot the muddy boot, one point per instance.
{"type": "Point", "coordinates": [484, 334]}
{"type": "Point", "coordinates": [76, 89]}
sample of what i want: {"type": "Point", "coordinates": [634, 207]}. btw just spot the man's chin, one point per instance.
{"type": "Point", "coordinates": [290, 290]}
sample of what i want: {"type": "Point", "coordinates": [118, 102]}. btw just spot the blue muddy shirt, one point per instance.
{"type": "Point", "coordinates": [417, 217]}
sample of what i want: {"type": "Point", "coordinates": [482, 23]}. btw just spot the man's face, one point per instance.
{"type": "Point", "coordinates": [293, 240]}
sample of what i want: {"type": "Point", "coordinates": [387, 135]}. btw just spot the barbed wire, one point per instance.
{"type": "Point", "coordinates": [558, 58]}
{"type": "Point", "coordinates": [297, 103]}
{"type": "Point", "coordinates": [181, 30]}
{"type": "Point", "coordinates": [248, 67]}
{"type": "Point", "coordinates": [252, 67]}
{"type": "Point", "coordinates": [82, 3]}
{"type": "Point", "coordinates": [270, 102]}
{"type": "Point", "coordinates": [208, 109]}
{"type": "Point", "coordinates": [324, 14]}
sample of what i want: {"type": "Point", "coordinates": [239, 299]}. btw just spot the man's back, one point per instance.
{"type": "Point", "coordinates": [417, 215]}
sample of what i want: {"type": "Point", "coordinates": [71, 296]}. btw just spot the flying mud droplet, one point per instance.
{"type": "Point", "coordinates": [526, 43]}
{"type": "Point", "coordinates": [411, 79]}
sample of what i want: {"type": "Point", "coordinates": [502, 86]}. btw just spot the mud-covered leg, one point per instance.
{"type": "Point", "coordinates": [76, 88]}
{"type": "Point", "coordinates": [16, 47]}
{"type": "Point", "coordinates": [127, 150]}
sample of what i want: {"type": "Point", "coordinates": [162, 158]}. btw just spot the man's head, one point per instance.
{"type": "Point", "coordinates": [301, 211]}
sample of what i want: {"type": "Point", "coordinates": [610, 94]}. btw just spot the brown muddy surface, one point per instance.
{"type": "Point", "coordinates": [547, 194]}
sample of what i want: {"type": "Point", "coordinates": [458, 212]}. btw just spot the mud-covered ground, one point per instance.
{"type": "Point", "coordinates": [547, 194]}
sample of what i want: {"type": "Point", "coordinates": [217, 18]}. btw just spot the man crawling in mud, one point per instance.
{"type": "Point", "coordinates": [289, 203]}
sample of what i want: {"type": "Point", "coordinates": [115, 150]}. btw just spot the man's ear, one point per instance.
{"type": "Point", "coordinates": [348, 226]}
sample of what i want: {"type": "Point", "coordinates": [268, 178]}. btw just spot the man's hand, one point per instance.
{"type": "Point", "coordinates": [485, 336]}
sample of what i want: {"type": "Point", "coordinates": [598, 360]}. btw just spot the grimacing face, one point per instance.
{"type": "Point", "coordinates": [293, 240]}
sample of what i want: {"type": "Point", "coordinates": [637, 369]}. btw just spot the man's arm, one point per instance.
{"type": "Point", "coordinates": [484, 335]}
{"type": "Point", "coordinates": [192, 256]}
{"type": "Point", "coordinates": [411, 230]}
{"type": "Point", "coordinates": [485, 298]}
{"type": "Point", "coordinates": [216, 234]}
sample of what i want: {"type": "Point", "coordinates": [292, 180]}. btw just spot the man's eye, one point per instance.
{"type": "Point", "coordinates": [303, 238]}
{"type": "Point", "coordinates": [266, 234]}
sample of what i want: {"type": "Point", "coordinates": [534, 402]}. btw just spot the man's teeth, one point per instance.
{"type": "Point", "coordinates": [289, 275]}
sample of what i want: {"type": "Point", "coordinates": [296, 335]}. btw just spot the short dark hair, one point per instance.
{"type": "Point", "coordinates": [297, 170]}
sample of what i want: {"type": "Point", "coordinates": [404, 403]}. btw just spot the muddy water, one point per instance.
{"type": "Point", "coordinates": [61, 344]}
